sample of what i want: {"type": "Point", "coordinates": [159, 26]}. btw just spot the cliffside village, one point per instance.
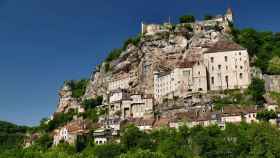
{"type": "Point", "coordinates": [180, 95]}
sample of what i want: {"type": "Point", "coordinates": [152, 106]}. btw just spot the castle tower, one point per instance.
{"type": "Point", "coordinates": [229, 15]}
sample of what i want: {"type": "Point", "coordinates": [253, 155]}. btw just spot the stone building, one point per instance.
{"type": "Point", "coordinates": [186, 77]}
{"type": "Point", "coordinates": [272, 83]}
{"type": "Point", "coordinates": [70, 132]}
{"type": "Point", "coordinates": [120, 81]}
{"type": "Point", "coordinates": [221, 21]}
{"type": "Point", "coordinates": [227, 66]}
{"type": "Point", "coordinates": [132, 105]}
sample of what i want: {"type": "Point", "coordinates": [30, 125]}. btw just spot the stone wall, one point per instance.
{"type": "Point", "coordinates": [272, 83]}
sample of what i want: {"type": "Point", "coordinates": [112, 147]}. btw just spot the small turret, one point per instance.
{"type": "Point", "coordinates": [229, 15]}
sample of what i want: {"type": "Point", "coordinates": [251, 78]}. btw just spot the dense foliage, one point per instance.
{"type": "Point", "coordinates": [243, 141]}
{"type": "Point", "coordinates": [208, 17]}
{"type": "Point", "coordinates": [256, 89]}
{"type": "Point", "coordinates": [11, 135]}
{"type": "Point", "coordinates": [263, 48]}
{"type": "Point", "coordinates": [252, 96]}
{"type": "Point", "coordinates": [187, 19]}
{"type": "Point", "coordinates": [78, 88]}
{"type": "Point", "coordinates": [92, 103]}
{"type": "Point", "coordinates": [59, 120]}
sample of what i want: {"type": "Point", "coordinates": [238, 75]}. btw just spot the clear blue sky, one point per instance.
{"type": "Point", "coordinates": [44, 42]}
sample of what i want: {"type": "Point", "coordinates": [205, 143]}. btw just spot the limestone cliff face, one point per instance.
{"type": "Point", "coordinates": [66, 101]}
{"type": "Point", "coordinates": [160, 50]}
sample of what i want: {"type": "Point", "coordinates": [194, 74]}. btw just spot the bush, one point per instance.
{"type": "Point", "coordinates": [92, 103]}
{"type": "Point", "coordinates": [187, 19]}
{"type": "Point", "coordinates": [59, 119]}
{"type": "Point", "coordinates": [256, 89]}
{"type": "Point", "coordinates": [78, 88]}
{"type": "Point", "coordinates": [274, 66]}
{"type": "Point", "coordinates": [113, 55]}
{"type": "Point", "coordinates": [135, 41]}
{"type": "Point", "coordinates": [266, 115]}
{"type": "Point", "coordinates": [208, 17]}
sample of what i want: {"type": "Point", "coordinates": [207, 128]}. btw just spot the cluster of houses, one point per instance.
{"type": "Point", "coordinates": [221, 66]}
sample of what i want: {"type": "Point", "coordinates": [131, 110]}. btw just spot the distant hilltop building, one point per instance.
{"type": "Point", "coordinates": [221, 21]}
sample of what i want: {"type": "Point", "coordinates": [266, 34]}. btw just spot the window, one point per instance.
{"type": "Point", "coordinates": [212, 80]}
{"type": "Point", "coordinates": [212, 59]}
{"type": "Point", "coordinates": [199, 72]}
{"type": "Point", "coordinates": [225, 58]}
{"type": "Point", "coordinates": [200, 89]}
{"type": "Point", "coordinates": [212, 68]}
{"type": "Point", "coordinates": [219, 67]}
{"type": "Point", "coordinates": [226, 67]}
{"type": "Point", "coordinates": [235, 66]}
{"type": "Point", "coordinates": [239, 53]}
{"type": "Point", "coordinates": [240, 75]}
{"type": "Point", "coordinates": [241, 67]}
{"type": "Point", "coordinates": [186, 73]}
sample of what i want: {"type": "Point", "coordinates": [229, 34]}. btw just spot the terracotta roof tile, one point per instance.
{"type": "Point", "coordinates": [223, 46]}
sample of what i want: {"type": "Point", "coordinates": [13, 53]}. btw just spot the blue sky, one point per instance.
{"type": "Point", "coordinates": [44, 42]}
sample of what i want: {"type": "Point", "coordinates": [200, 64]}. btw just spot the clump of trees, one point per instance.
{"type": "Point", "coordinates": [78, 87]}
{"type": "Point", "coordinates": [263, 48]}
{"type": "Point", "coordinates": [187, 19]}
{"type": "Point", "coordinates": [256, 140]}
{"type": "Point", "coordinates": [266, 115]}
{"type": "Point", "coordinates": [256, 89]}
{"type": "Point", "coordinates": [58, 120]}
{"type": "Point", "coordinates": [208, 17]}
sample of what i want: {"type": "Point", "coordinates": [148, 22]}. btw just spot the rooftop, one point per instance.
{"type": "Point", "coordinates": [224, 46]}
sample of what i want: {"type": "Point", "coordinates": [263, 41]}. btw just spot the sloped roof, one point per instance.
{"type": "Point", "coordinates": [224, 46]}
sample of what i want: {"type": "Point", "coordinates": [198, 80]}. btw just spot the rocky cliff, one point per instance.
{"type": "Point", "coordinates": [161, 50]}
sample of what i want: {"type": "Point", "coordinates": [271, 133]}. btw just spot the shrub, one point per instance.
{"type": "Point", "coordinates": [78, 88]}
{"type": "Point", "coordinates": [135, 41]}
{"type": "Point", "coordinates": [256, 89]}
{"type": "Point", "coordinates": [187, 19]}
{"type": "Point", "coordinates": [92, 103]}
{"type": "Point", "coordinates": [113, 55]}
{"type": "Point", "coordinates": [266, 115]}
{"type": "Point", "coordinates": [208, 17]}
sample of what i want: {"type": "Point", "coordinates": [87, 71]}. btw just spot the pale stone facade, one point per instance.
{"type": "Point", "coordinates": [187, 77]}
{"type": "Point", "coordinates": [121, 82]}
{"type": "Point", "coordinates": [272, 83]}
{"type": "Point", "coordinates": [221, 20]}
{"type": "Point", "coordinates": [228, 66]}
{"type": "Point", "coordinates": [133, 106]}
{"type": "Point", "coordinates": [70, 131]}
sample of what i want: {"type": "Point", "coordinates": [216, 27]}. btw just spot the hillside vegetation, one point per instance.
{"type": "Point", "coordinates": [243, 141]}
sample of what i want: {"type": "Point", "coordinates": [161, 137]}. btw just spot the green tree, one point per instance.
{"type": "Point", "coordinates": [132, 138]}
{"type": "Point", "coordinates": [143, 154]}
{"type": "Point", "coordinates": [266, 115]}
{"type": "Point", "coordinates": [256, 89]}
{"type": "Point", "coordinates": [78, 87]}
{"type": "Point", "coordinates": [92, 103]}
{"type": "Point", "coordinates": [208, 17]}
{"type": "Point", "coordinates": [187, 19]}
{"type": "Point", "coordinates": [249, 39]}
{"type": "Point", "coordinates": [274, 65]}
{"type": "Point", "coordinates": [107, 151]}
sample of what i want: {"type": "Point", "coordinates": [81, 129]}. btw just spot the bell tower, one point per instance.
{"type": "Point", "coordinates": [229, 15]}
